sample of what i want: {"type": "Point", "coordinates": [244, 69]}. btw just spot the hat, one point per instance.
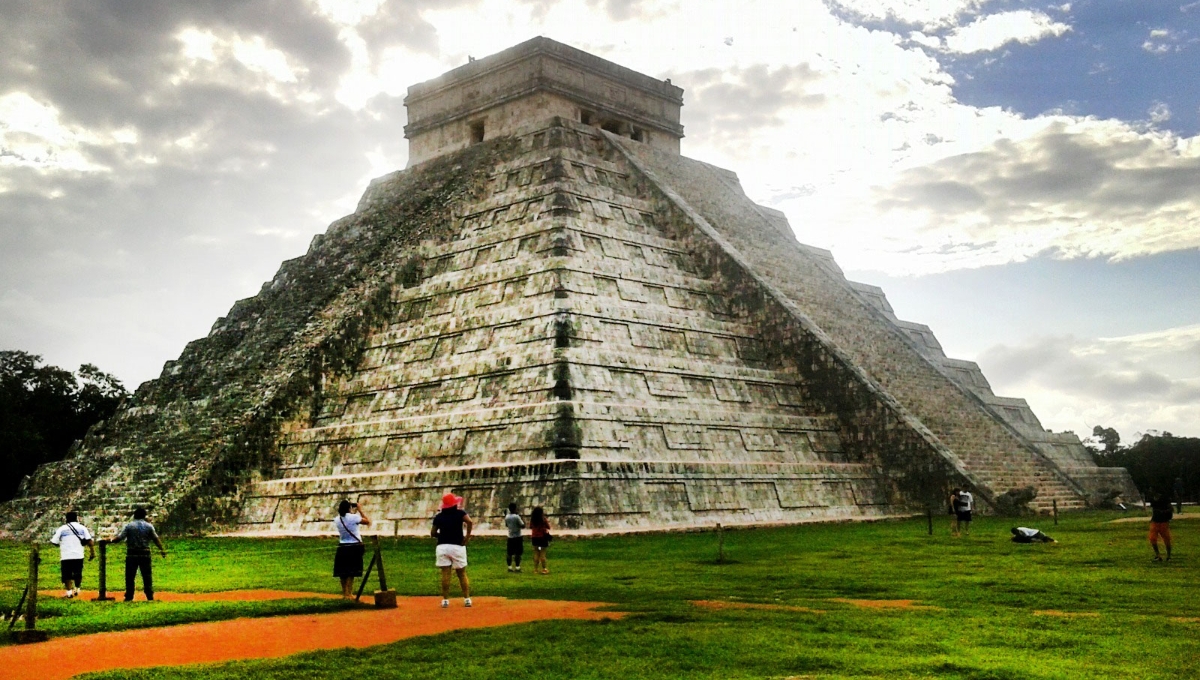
{"type": "Point", "coordinates": [450, 501]}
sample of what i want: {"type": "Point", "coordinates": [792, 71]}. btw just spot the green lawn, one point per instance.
{"type": "Point", "coordinates": [981, 591]}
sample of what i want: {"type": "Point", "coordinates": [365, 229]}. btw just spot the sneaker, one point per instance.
{"type": "Point", "coordinates": [445, 603]}
{"type": "Point", "coordinates": [511, 568]}
{"type": "Point", "coordinates": [68, 594]}
{"type": "Point", "coordinates": [466, 602]}
{"type": "Point", "coordinates": [517, 568]}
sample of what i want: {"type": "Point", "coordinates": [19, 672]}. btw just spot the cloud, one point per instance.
{"type": "Point", "coordinates": [930, 14]}
{"type": "Point", "coordinates": [1076, 187]}
{"type": "Point", "coordinates": [1137, 382]}
{"type": "Point", "coordinates": [997, 30]}
{"type": "Point", "coordinates": [731, 102]}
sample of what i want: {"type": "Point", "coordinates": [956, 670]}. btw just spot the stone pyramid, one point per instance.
{"type": "Point", "coordinates": [552, 307]}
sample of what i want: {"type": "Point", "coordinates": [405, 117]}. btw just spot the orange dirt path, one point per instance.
{"type": "Point", "coordinates": [278, 636]}
{"type": "Point", "coordinates": [222, 596]}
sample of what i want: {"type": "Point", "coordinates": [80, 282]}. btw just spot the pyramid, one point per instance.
{"type": "Point", "coordinates": [551, 306]}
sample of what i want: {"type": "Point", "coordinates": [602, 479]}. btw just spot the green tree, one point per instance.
{"type": "Point", "coordinates": [1154, 462]}
{"type": "Point", "coordinates": [44, 409]}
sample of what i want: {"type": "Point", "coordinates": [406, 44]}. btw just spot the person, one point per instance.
{"type": "Point", "coordinates": [1160, 524]}
{"type": "Point", "coordinates": [539, 536]}
{"type": "Point", "coordinates": [1028, 535]}
{"type": "Point", "coordinates": [451, 551]}
{"type": "Point", "coordinates": [140, 535]}
{"type": "Point", "coordinates": [71, 539]}
{"type": "Point", "coordinates": [348, 561]}
{"type": "Point", "coordinates": [954, 512]}
{"type": "Point", "coordinates": [962, 514]}
{"type": "Point", "coordinates": [516, 545]}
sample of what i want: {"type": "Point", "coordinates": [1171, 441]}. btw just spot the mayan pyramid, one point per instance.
{"type": "Point", "coordinates": [552, 306]}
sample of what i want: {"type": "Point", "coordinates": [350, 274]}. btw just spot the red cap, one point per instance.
{"type": "Point", "coordinates": [450, 501]}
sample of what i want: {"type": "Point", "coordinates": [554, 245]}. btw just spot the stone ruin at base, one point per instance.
{"type": "Point", "coordinates": [552, 307]}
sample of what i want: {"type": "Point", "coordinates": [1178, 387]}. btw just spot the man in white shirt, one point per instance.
{"type": "Point", "coordinates": [70, 539]}
{"type": "Point", "coordinates": [964, 505]}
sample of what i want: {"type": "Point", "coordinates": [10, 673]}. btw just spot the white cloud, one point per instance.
{"type": "Point", "coordinates": [242, 63]}
{"type": "Point", "coordinates": [1075, 187]}
{"type": "Point", "coordinates": [928, 13]}
{"type": "Point", "coordinates": [33, 136]}
{"type": "Point", "coordinates": [1159, 113]}
{"type": "Point", "coordinates": [1133, 383]}
{"type": "Point", "coordinates": [996, 30]}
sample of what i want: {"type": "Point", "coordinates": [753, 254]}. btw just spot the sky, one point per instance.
{"type": "Point", "coordinates": [1023, 177]}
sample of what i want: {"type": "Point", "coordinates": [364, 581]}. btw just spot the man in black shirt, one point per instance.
{"type": "Point", "coordinates": [452, 542]}
{"type": "Point", "coordinates": [1160, 524]}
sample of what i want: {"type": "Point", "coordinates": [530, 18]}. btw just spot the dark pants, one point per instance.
{"type": "Point", "coordinates": [134, 562]}
{"type": "Point", "coordinates": [515, 549]}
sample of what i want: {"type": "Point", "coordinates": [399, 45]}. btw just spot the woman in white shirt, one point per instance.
{"type": "Point", "coordinates": [348, 562]}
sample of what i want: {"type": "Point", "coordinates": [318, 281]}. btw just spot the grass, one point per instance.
{"type": "Point", "coordinates": [982, 594]}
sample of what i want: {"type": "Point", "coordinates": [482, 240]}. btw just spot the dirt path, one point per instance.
{"type": "Point", "coordinates": [273, 637]}
{"type": "Point", "coordinates": [223, 596]}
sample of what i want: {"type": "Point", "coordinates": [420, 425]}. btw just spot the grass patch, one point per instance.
{"type": "Point", "coordinates": [976, 619]}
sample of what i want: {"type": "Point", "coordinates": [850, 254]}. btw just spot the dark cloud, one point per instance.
{"type": "Point", "coordinates": [719, 104]}
{"type": "Point", "coordinates": [399, 22]}
{"type": "Point", "coordinates": [1101, 177]}
{"type": "Point", "coordinates": [109, 62]}
{"type": "Point", "coordinates": [1090, 371]}
{"type": "Point", "coordinates": [159, 241]}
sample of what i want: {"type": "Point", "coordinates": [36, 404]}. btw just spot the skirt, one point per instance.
{"type": "Point", "coordinates": [348, 562]}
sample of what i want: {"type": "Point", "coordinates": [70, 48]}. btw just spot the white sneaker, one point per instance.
{"type": "Point", "coordinates": [517, 568]}
{"type": "Point", "coordinates": [466, 602]}
{"type": "Point", "coordinates": [68, 594]}
{"type": "Point", "coordinates": [445, 603]}
{"type": "Point", "coordinates": [511, 568]}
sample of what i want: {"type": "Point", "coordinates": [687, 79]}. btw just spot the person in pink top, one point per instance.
{"type": "Point", "coordinates": [539, 536]}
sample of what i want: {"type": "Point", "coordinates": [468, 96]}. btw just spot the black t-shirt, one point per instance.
{"type": "Point", "coordinates": [1162, 510]}
{"type": "Point", "coordinates": [449, 524]}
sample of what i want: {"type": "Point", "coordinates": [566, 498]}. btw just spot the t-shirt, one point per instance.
{"type": "Point", "coordinates": [69, 545]}
{"type": "Point", "coordinates": [965, 501]}
{"type": "Point", "coordinates": [1027, 532]}
{"type": "Point", "coordinates": [140, 535]}
{"type": "Point", "coordinates": [449, 524]}
{"type": "Point", "coordinates": [539, 532]}
{"type": "Point", "coordinates": [1162, 510]}
{"type": "Point", "coordinates": [514, 523]}
{"type": "Point", "coordinates": [348, 527]}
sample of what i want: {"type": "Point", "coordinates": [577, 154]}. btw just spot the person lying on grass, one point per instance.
{"type": "Point", "coordinates": [1027, 535]}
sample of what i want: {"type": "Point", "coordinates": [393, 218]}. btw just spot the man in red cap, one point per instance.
{"type": "Point", "coordinates": [452, 542]}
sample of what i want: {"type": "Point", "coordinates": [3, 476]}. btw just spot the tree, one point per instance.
{"type": "Point", "coordinates": [44, 409]}
{"type": "Point", "coordinates": [1155, 462]}
{"type": "Point", "coordinates": [1108, 437]}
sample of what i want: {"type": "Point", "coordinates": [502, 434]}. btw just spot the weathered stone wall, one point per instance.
{"type": "Point", "coordinates": [882, 358]}
{"type": "Point", "coordinates": [564, 350]}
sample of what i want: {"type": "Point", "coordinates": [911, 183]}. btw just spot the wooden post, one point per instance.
{"type": "Point", "coordinates": [384, 598]}
{"type": "Point", "coordinates": [31, 633]}
{"type": "Point", "coordinates": [1055, 502]}
{"type": "Point", "coordinates": [929, 518]}
{"type": "Point", "coordinates": [102, 596]}
{"type": "Point", "coordinates": [35, 559]}
{"type": "Point", "coordinates": [720, 544]}
{"type": "Point", "coordinates": [363, 586]}
{"type": "Point", "coordinates": [16, 612]}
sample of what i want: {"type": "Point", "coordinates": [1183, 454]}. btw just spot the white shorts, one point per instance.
{"type": "Point", "coordinates": [449, 555]}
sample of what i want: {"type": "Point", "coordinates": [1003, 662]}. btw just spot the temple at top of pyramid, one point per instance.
{"type": "Point", "coordinates": [552, 307]}
{"type": "Point", "coordinates": [537, 79]}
